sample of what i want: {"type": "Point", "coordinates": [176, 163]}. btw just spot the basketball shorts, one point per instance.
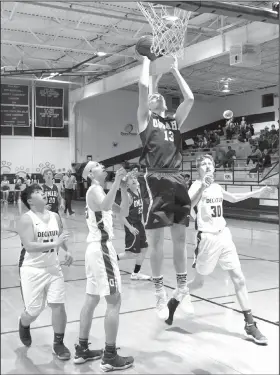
{"type": "Point", "coordinates": [40, 286]}
{"type": "Point", "coordinates": [215, 248]}
{"type": "Point", "coordinates": [165, 199]}
{"type": "Point", "coordinates": [136, 243]}
{"type": "Point", "coordinates": [102, 269]}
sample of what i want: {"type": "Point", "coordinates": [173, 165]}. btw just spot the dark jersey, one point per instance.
{"type": "Point", "coordinates": [161, 142]}
{"type": "Point", "coordinates": [52, 196]}
{"type": "Point", "coordinates": [135, 209]}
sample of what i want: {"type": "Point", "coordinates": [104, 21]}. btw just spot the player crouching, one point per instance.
{"type": "Point", "coordinates": [214, 240]}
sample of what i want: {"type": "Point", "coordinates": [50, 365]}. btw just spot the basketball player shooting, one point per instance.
{"type": "Point", "coordinates": [102, 270]}
{"type": "Point", "coordinates": [41, 277]}
{"type": "Point", "coordinates": [165, 197]}
{"type": "Point", "coordinates": [214, 240]}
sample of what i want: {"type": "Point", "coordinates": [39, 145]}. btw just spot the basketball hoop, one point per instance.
{"type": "Point", "coordinates": [169, 27]}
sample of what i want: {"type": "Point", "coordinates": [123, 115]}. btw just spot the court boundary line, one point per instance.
{"type": "Point", "coordinates": [198, 299]}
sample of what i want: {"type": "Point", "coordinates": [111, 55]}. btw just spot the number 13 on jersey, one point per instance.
{"type": "Point", "coordinates": [168, 135]}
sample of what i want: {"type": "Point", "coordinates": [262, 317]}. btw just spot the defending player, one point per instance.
{"type": "Point", "coordinates": [166, 201]}
{"type": "Point", "coordinates": [51, 191]}
{"type": "Point", "coordinates": [136, 245]}
{"type": "Point", "coordinates": [102, 270]}
{"type": "Point", "coordinates": [214, 240]}
{"type": "Point", "coordinates": [41, 277]}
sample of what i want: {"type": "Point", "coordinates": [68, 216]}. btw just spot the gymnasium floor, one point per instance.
{"type": "Point", "coordinates": [211, 343]}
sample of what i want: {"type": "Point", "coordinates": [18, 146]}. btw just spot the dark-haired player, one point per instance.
{"type": "Point", "coordinates": [163, 188]}
{"type": "Point", "coordinates": [136, 245]}
{"type": "Point", "coordinates": [51, 191]}
{"type": "Point", "coordinates": [41, 278]}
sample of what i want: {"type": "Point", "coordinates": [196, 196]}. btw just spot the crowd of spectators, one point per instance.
{"type": "Point", "coordinates": [262, 145]}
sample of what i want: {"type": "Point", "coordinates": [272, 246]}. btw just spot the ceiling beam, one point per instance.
{"type": "Point", "coordinates": [209, 49]}
{"type": "Point", "coordinates": [226, 9]}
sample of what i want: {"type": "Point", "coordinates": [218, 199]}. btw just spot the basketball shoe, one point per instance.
{"type": "Point", "coordinates": [83, 355]}
{"type": "Point", "coordinates": [61, 351]}
{"type": "Point", "coordinates": [24, 334]}
{"type": "Point", "coordinates": [139, 276]}
{"type": "Point", "coordinates": [255, 334]}
{"type": "Point", "coordinates": [115, 362]}
{"type": "Point", "coordinates": [161, 305]}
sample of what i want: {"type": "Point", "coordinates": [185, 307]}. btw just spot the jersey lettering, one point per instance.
{"type": "Point", "coordinates": [162, 142]}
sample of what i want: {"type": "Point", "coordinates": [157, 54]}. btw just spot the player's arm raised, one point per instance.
{"type": "Point", "coordinates": [125, 202]}
{"type": "Point", "coordinates": [197, 188]}
{"type": "Point", "coordinates": [237, 197]}
{"type": "Point", "coordinates": [143, 106]}
{"type": "Point", "coordinates": [99, 201]}
{"type": "Point", "coordinates": [26, 234]}
{"type": "Point", "coordinates": [185, 107]}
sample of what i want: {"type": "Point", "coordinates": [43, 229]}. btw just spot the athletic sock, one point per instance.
{"type": "Point", "coordinates": [83, 343]}
{"type": "Point", "coordinates": [136, 268]}
{"type": "Point", "coordinates": [181, 280]}
{"type": "Point", "coordinates": [248, 316]}
{"type": "Point", "coordinates": [158, 282]}
{"type": "Point", "coordinates": [110, 350]}
{"type": "Point", "coordinates": [58, 338]}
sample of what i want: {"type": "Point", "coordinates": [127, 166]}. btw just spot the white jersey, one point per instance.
{"type": "Point", "coordinates": [100, 223]}
{"type": "Point", "coordinates": [44, 232]}
{"type": "Point", "coordinates": [210, 210]}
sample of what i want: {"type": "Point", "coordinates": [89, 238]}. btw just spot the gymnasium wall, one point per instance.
{"type": "Point", "coordinates": [101, 120]}
{"type": "Point", "coordinates": [31, 154]}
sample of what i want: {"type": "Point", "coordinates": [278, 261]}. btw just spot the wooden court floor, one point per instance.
{"type": "Point", "coordinates": [212, 342]}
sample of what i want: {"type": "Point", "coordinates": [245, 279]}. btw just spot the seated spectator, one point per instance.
{"type": "Point", "coordinates": [206, 135]}
{"type": "Point", "coordinates": [248, 135]}
{"type": "Point", "coordinates": [214, 139]}
{"type": "Point", "coordinates": [266, 132]}
{"type": "Point", "coordinates": [265, 162]}
{"type": "Point", "coordinates": [273, 131]}
{"type": "Point", "coordinates": [263, 143]}
{"type": "Point", "coordinates": [202, 141]}
{"type": "Point", "coordinates": [255, 156]}
{"type": "Point", "coordinates": [220, 131]}
{"type": "Point", "coordinates": [229, 157]}
{"type": "Point", "coordinates": [274, 141]}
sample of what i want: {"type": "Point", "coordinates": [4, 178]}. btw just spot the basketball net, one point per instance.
{"type": "Point", "coordinates": [169, 27]}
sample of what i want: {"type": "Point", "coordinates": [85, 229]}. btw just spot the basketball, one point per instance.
{"type": "Point", "coordinates": [143, 47]}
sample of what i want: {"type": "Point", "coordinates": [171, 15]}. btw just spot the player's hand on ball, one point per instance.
{"type": "Point", "coordinates": [133, 230]}
{"type": "Point", "coordinates": [68, 259]}
{"type": "Point", "coordinates": [120, 174]}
